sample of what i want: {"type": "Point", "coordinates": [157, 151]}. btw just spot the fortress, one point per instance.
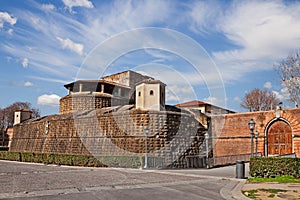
{"type": "Point", "coordinates": [122, 114]}
{"type": "Point", "coordinates": [125, 114]}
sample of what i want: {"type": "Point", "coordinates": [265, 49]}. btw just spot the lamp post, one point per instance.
{"type": "Point", "coordinates": [206, 145]}
{"type": "Point", "coordinates": [251, 127]}
{"type": "Point", "coordinates": [256, 141]}
{"type": "Point", "coordinates": [146, 130]}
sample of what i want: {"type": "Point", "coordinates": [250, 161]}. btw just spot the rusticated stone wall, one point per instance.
{"type": "Point", "coordinates": [174, 137]}
{"type": "Point", "coordinates": [83, 101]}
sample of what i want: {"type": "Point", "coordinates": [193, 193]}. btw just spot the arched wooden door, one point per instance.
{"type": "Point", "coordinates": [280, 138]}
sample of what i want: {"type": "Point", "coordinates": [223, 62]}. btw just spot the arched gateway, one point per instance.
{"type": "Point", "coordinates": [279, 138]}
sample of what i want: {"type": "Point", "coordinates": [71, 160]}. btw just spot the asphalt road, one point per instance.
{"type": "Point", "coordinates": [38, 181]}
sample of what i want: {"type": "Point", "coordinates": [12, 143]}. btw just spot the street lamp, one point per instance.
{"type": "Point", "coordinates": [256, 141]}
{"type": "Point", "coordinates": [206, 141]}
{"type": "Point", "coordinates": [146, 130]}
{"type": "Point", "coordinates": [251, 127]}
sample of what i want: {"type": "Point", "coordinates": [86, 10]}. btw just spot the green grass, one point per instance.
{"type": "Point", "coordinates": [271, 196]}
{"type": "Point", "coordinates": [273, 191]}
{"type": "Point", "coordinates": [251, 193]}
{"type": "Point", "coordinates": [278, 179]}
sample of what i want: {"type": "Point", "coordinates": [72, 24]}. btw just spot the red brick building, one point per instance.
{"type": "Point", "coordinates": [278, 134]}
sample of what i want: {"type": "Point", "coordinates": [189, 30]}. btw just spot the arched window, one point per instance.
{"type": "Point", "coordinates": [151, 92]}
{"type": "Point", "coordinates": [139, 94]}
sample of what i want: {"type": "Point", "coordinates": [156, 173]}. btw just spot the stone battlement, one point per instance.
{"type": "Point", "coordinates": [113, 131]}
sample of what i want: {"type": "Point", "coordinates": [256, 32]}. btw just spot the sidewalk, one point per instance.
{"type": "Point", "coordinates": [224, 172]}
{"type": "Point", "coordinates": [282, 186]}
{"type": "Point", "coordinates": [234, 189]}
{"type": "Point", "coordinates": [272, 190]}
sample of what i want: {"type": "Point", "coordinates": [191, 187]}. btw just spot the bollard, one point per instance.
{"type": "Point", "coordinates": [240, 169]}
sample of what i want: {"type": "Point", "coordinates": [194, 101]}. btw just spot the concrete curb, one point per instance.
{"type": "Point", "coordinates": [237, 191]}
{"type": "Point", "coordinates": [282, 186]}
{"type": "Point", "coordinates": [233, 191]}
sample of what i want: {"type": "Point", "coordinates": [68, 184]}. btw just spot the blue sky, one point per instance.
{"type": "Point", "coordinates": [46, 44]}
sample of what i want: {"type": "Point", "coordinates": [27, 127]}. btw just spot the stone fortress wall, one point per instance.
{"type": "Point", "coordinates": [89, 101]}
{"type": "Point", "coordinates": [106, 122]}
{"type": "Point", "coordinates": [174, 137]}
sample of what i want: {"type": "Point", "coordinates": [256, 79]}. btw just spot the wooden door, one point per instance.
{"type": "Point", "coordinates": [279, 139]}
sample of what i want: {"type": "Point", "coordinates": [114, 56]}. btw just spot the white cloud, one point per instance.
{"type": "Point", "coordinates": [5, 17]}
{"type": "Point", "coordinates": [261, 34]}
{"type": "Point", "coordinates": [92, 28]}
{"type": "Point", "coordinates": [25, 62]}
{"type": "Point", "coordinates": [216, 101]}
{"type": "Point", "coordinates": [50, 100]}
{"type": "Point", "coordinates": [69, 44]}
{"type": "Point", "coordinates": [35, 20]}
{"type": "Point", "coordinates": [237, 99]}
{"type": "Point", "coordinates": [47, 6]}
{"type": "Point", "coordinates": [203, 15]}
{"type": "Point", "coordinates": [283, 94]}
{"type": "Point", "coordinates": [77, 3]}
{"type": "Point", "coordinates": [254, 32]}
{"type": "Point", "coordinates": [10, 31]}
{"type": "Point", "coordinates": [268, 85]}
{"type": "Point", "coordinates": [28, 84]}
{"type": "Point", "coordinates": [180, 93]}
{"type": "Point", "coordinates": [160, 55]}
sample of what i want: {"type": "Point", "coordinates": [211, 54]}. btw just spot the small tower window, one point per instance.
{"type": "Point", "coordinates": [151, 92]}
{"type": "Point", "coordinates": [139, 94]}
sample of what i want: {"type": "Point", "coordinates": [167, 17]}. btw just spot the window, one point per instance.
{"type": "Point", "coordinates": [151, 92]}
{"type": "Point", "coordinates": [139, 94]}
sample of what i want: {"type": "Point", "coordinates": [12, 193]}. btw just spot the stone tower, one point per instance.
{"type": "Point", "coordinates": [22, 115]}
{"type": "Point", "coordinates": [150, 95]}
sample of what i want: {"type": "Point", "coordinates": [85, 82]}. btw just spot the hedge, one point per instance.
{"type": "Point", "coordinates": [83, 160]}
{"type": "Point", "coordinates": [58, 159]}
{"type": "Point", "coordinates": [268, 167]}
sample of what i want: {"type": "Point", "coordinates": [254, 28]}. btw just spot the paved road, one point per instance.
{"type": "Point", "coordinates": [37, 181]}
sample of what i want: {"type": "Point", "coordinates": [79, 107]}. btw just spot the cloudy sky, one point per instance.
{"type": "Point", "coordinates": [46, 44]}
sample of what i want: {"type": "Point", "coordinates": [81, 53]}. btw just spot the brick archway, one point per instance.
{"type": "Point", "coordinates": [279, 138]}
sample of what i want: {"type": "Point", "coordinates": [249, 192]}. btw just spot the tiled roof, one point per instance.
{"type": "Point", "coordinates": [96, 82]}
{"type": "Point", "coordinates": [192, 104]}
{"type": "Point", "coordinates": [150, 81]}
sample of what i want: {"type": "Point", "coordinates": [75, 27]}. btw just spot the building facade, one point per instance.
{"type": "Point", "coordinates": [278, 135]}
{"type": "Point", "coordinates": [110, 116]}
{"type": "Point", "coordinates": [125, 114]}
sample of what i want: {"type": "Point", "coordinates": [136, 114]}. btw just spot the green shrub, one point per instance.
{"type": "Point", "coordinates": [82, 160]}
{"type": "Point", "coordinates": [51, 158]}
{"type": "Point", "coordinates": [6, 155]}
{"type": "Point", "coordinates": [268, 167]}
{"type": "Point", "coordinates": [73, 160]}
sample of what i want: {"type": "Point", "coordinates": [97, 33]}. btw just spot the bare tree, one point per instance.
{"type": "Point", "coordinates": [7, 114]}
{"type": "Point", "coordinates": [259, 100]}
{"type": "Point", "coordinates": [289, 72]}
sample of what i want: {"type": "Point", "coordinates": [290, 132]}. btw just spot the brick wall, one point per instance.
{"type": "Point", "coordinates": [172, 136]}
{"type": "Point", "coordinates": [233, 141]}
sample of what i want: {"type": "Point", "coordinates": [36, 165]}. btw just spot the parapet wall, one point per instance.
{"type": "Point", "coordinates": [173, 136]}
{"type": "Point", "coordinates": [82, 101]}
